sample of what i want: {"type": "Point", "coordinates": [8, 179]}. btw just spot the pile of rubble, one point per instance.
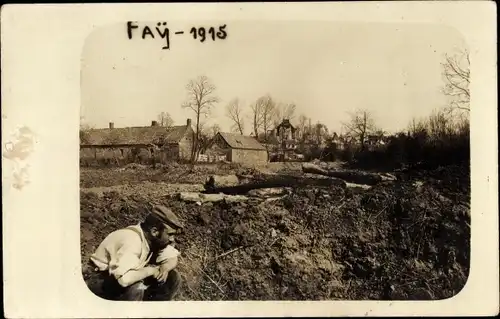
{"type": "Point", "coordinates": [397, 239]}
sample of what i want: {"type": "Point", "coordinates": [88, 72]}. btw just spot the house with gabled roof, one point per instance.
{"type": "Point", "coordinates": [237, 148]}
{"type": "Point", "coordinates": [142, 144]}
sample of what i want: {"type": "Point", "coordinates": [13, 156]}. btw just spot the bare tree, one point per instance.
{"type": "Point", "coordinates": [416, 126]}
{"type": "Point", "coordinates": [456, 73]}
{"type": "Point", "coordinates": [234, 112]}
{"type": "Point", "coordinates": [284, 111]}
{"type": "Point", "coordinates": [320, 133]}
{"type": "Point", "coordinates": [256, 118]}
{"type": "Point", "coordinates": [207, 132]}
{"type": "Point", "coordinates": [201, 98]}
{"type": "Point", "coordinates": [359, 126]}
{"type": "Point", "coordinates": [263, 114]}
{"type": "Point", "coordinates": [215, 128]}
{"type": "Point", "coordinates": [164, 119]}
{"type": "Point", "coordinates": [302, 126]}
{"type": "Point", "coordinates": [278, 115]}
{"type": "Point", "coordinates": [268, 111]}
{"type": "Point", "coordinates": [440, 124]}
{"type": "Point", "coordinates": [289, 111]}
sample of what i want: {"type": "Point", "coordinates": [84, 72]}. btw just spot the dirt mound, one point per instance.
{"type": "Point", "coordinates": [171, 173]}
{"type": "Point", "coordinates": [403, 240]}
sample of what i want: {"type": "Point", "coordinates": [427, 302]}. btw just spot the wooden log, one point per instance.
{"type": "Point", "coordinates": [223, 180]}
{"type": "Point", "coordinates": [275, 181]}
{"type": "Point", "coordinates": [361, 186]}
{"type": "Point", "coordinates": [348, 176]}
{"type": "Point", "coordinates": [203, 198]}
{"type": "Point", "coordinates": [268, 192]}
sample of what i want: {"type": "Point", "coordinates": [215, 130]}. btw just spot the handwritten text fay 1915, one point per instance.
{"type": "Point", "coordinates": [161, 31]}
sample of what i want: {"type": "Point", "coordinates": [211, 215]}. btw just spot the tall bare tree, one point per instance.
{"type": "Point", "coordinates": [456, 74]}
{"type": "Point", "coordinates": [234, 112]}
{"type": "Point", "coordinates": [302, 126]}
{"type": "Point", "coordinates": [360, 125]}
{"type": "Point", "coordinates": [263, 114]}
{"type": "Point", "coordinates": [416, 126]}
{"type": "Point", "coordinates": [164, 119]}
{"type": "Point", "coordinates": [256, 118]}
{"type": "Point", "coordinates": [320, 133]}
{"type": "Point", "coordinates": [284, 111]}
{"type": "Point", "coordinates": [440, 124]}
{"type": "Point", "coordinates": [268, 111]}
{"type": "Point", "coordinates": [200, 99]}
{"type": "Point", "coordinates": [289, 111]}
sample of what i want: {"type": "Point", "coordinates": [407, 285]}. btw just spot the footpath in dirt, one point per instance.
{"type": "Point", "coordinates": [398, 240]}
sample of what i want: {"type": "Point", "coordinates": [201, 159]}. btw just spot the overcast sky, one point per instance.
{"type": "Point", "coordinates": [327, 69]}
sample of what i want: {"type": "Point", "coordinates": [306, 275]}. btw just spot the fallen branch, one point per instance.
{"type": "Point", "coordinates": [362, 186]}
{"type": "Point", "coordinates": [378, 214]}
{"type": "Point", "coordinates": [275, 181]}
{"type": "Point", "coordinates": [229, 252]}
{"type": "Point", "coordinates": [202, 198]}
{"type": "Point", "coordinates": [268, 192]}
{"type": "Point", "coordinates": [213, 281]}
{"type": "Point", "coordinates": [348, 176]}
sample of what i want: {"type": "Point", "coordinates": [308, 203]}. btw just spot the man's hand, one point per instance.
{"type": "Point", "coordinates": [133, 276]}
{"type": "Point", "coordinates": [162, 273]}
{"type": "Point", "coordinates": [165, 268]}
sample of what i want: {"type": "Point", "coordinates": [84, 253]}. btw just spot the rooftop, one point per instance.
{"type": "Point", "coordinates": [241, 141]}
{"type": "Point", "coordinates": [136, 135]}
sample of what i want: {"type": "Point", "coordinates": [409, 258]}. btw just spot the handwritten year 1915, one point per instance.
{"type": "Point", "coordinates": [163, 32]}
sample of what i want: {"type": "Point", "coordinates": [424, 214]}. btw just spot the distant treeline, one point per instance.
{"type": "Point", "coordinates": [438, 140]}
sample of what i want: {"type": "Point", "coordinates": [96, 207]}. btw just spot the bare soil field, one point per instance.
{"type": "Point", "coordinates": [174, 173]}
{"type": "Point", "coordinates": [398, 240]}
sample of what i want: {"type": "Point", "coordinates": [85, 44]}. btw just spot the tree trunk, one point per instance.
{"type": "Point", "coordinates": [348, 176]}
{"type": "Point", "coordinates": [255, 129]}
{"type": "Point", "coordinates": [274, 181]}
{"type": "Point", "coordinates": [196, 141]}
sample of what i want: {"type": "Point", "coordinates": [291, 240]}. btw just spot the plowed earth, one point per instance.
{"type": "Point", "coordinates": [402, 240]}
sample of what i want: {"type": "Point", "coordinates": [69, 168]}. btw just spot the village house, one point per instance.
{"type": "Point", "coordinates": [144, 144]}
{"type": "Point", "coordinates": [236, 148]}
{"type": "Point", "coordinates": [376, 140]}
{"type": "Point", "coordinates": [282, 141]}
{"type": "Point", "coordinates": [285, 133]}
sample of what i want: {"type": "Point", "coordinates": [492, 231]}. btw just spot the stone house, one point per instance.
{"type": "Point", "coordinates": [282, 141]}
{"type": "Point", "coordinates": [285, 133]}
{"type": "Point", "coordinates": [237, 148]}
{"type": "Point", "coordinates": [146, 144]}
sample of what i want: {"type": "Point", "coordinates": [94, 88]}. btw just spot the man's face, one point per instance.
{"type": "Point", "coordinates": [163, 237]}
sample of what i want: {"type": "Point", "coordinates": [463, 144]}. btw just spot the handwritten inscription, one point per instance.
{"type": "Point", "coordinates": [161, 31]}
{"type": "Point", "coordinates": [201, 33]}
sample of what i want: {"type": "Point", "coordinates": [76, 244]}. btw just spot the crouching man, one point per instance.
{"type": "Point", "coordinates": [138, 263]}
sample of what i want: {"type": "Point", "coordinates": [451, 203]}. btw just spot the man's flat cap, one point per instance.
{"type": "Point", "coordinates": [167, 216]}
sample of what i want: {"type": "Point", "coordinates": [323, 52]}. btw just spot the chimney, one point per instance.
{"type": "Point", "coordinates": [154, 123]}
{"type": "Point", "coordinates": [111, 125]}
{"type": "Point", "coordinates": [188, 122]}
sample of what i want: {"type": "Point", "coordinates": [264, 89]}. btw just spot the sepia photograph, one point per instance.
{"type": "Point", "coordinates": [275, 160]}
{"type": "Point", "coordinates": [242, 160]}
